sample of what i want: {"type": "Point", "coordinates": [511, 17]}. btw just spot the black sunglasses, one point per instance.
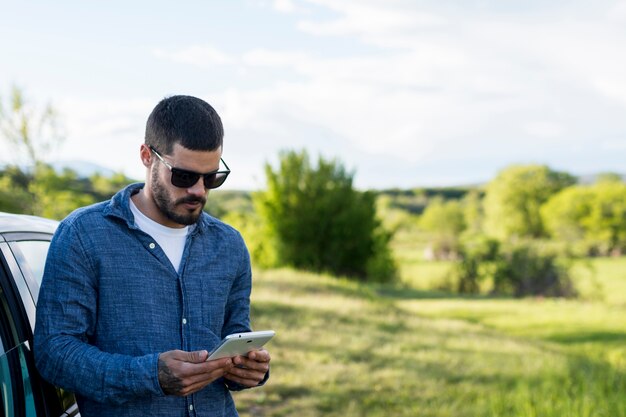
{"type": "Point", "coordinates": [186, 179]}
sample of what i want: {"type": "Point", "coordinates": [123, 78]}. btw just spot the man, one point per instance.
{"type": "Point", "coordinates": [138, 289]}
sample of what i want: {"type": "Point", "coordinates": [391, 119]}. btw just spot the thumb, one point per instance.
{"type": "Point", "coordinates": [197, 356]}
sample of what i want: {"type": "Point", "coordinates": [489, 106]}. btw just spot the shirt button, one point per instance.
{"type": "Point", "coordinates": [184, 321]}
{"type": "Point", "coordinates": [152, 245]}
{"type": "Point", "coordinates": [191, 407]}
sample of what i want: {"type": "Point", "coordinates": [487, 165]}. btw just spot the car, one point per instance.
{"type": "Point", "coordinates": [24, 242]}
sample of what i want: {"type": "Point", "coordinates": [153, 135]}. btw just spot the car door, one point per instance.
{"type": "Point", "coordinates": [24, 392]}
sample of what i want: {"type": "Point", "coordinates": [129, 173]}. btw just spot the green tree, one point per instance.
{"type": "Point", "coordinates": [14, 195]}
{"type": "Point", "coordinates": [318, 221]}
{"type": "Point", "coordinates": [606, 223]}
{"type": "Point", "coordinates": [564, 213]}
{"type": "Point", "coordinates": [473, 212]}
{"type": "Point", "coordinates": [58, 195]}
{"type": "Point", "coordinates": [31, 130]}
{"type": "Point", "coordinates": [514, 198]}
{"type": "Point", "coordinates": [593, 217]}
{"type": "Point", "coordinates": [444, 221]}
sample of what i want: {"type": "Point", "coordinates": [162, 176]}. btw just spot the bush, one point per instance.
{"type": "Point", "coordinates": [317, 221]}
{"type": "Point", "coordinates": [476, 257]}
{"type": "Point", "coordinates": [518, 269]}
{"type": "Point", "coordinates": [523, 269]}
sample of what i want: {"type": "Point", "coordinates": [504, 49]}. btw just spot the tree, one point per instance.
{"type": "Point", "coordinates": [32, 131]}
{"type": "Point", "coordinates": [317, 221]}
{"type": "Point", "coordinates": [58, 195]}
{"type": "Point", "coordinates": [473, 212]}
{"type": "Point", "coordinates": [514, 198]}
{"type": "Point", "coordinates": [14, 195]}
{"type": "Point", "coordinates": [594, 216]}
{"type": "Point", "coordinates": [606, 223]}
{"type": "Point", "coordinates": [445, 221]}
{"type": "Point", "coordinates": [564, 213]}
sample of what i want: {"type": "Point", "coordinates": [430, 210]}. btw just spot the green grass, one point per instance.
{"type": "Point", "coordinates": [344, 349]}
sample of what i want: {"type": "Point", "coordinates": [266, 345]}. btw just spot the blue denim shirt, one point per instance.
{"type": "Point", "coordinates": [111, 301]}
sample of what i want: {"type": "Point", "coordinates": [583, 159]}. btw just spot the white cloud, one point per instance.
{"type": "Point", "coordinates": [284, 6]}
{"type": "Point", "coordinates": [618, 12]}
{"type": "Point", "coordinates": [480, 78]}
{"type": "Point", "coordinates": [544, 130]}
{"type": "Point", "coordinates": [425, 83]}
{"type": "Point", "coordinates": [200, 55]}
{"type": "Point", "coordinates": [108, 132]}
{"type": "Point", "coordinates": [361, 18]}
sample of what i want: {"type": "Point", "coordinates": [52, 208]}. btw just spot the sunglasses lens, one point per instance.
{"type": "Point", "coordinates": [184, 179]}
{"type": "Point", "coordinates": [214, 180]}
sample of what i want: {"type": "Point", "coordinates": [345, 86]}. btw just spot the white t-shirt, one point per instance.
{"type": "Point", "coordinates": [171, 240]}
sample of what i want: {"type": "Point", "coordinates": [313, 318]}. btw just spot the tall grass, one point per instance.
{"type": "Point", "coordinates": [344, 349]}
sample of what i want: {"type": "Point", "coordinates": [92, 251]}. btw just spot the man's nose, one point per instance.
{"type": "Point", "coordinates": [198, 188]}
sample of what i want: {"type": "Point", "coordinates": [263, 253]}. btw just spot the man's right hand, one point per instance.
{"type": "Point", "coordinates": [182, 373]}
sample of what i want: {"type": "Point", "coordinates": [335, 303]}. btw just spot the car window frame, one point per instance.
{"type": "Point", "coordinates": [13, 239]}
{"type": "Point", "coordinates": [24, 287]}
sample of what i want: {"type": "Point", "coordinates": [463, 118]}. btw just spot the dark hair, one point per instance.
{"type": "Point", "coordinates": [186, 120]}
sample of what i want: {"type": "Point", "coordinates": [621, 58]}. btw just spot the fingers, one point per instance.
{"type": "Point", "coordinates": [182, 373]}
{"type": "Point", "coordinates": [250, 371]}
{"type": "Point", "coordinates": [197, 356]}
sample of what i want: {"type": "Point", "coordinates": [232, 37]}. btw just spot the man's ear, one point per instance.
{"type": "Point", "coordinates": [146, 155]}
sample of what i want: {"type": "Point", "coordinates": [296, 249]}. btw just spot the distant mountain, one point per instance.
{"type": "Point", "coordinates": [82, 168]}
{"type": "Point", "coordinates": [592, 178]}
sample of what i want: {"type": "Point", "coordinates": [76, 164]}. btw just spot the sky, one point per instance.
{"type": "Point", "coordinates": [402, 93]}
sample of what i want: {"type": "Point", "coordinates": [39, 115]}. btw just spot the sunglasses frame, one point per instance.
{"type": "Point", "coordinates": [177, 171]}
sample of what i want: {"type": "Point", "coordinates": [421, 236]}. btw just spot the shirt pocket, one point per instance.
{"type": "Point", "coordinates": [215, 291]}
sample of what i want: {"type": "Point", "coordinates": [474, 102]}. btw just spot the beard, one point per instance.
{"type": "Point", "coordinates": [168, 205]}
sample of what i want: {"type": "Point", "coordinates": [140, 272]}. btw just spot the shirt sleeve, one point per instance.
{"type": "Point", "coordinates": [237, 318]}
{"type": "Point", "coordinates": [237, 312]}
{"type": "Point", "coordinates": [66, 318]}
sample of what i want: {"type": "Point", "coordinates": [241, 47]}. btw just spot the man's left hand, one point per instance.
{"type": "Point", "coordinates": [250, 371]}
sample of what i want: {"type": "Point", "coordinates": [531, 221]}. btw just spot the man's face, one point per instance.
{"type": "Point", "coordinates": [182, 206]}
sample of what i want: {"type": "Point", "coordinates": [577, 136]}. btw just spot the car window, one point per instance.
{"type": "Point", "coordinates": [15, 384]}
{"type": "Point", "coordinates": [16, 391]}
{"type": "Point", "coordinates": [34, 253]}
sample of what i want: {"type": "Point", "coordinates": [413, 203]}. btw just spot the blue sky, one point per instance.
{"type": "Point", "coordinates": [405, 93]}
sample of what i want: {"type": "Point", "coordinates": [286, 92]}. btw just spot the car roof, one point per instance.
{"type": "Point", "coordinates": [24, 223]}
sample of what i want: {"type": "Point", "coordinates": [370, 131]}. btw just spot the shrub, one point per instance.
{"type": "Point", "coordinates": [317, 221]}
{"type": "Point", "coordinates": [524, 269]}
{"type": "Point", "coordinates": [518, 269]}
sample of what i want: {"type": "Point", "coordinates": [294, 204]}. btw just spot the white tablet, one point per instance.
{"type": "Point", "coordinates": [241, 343]}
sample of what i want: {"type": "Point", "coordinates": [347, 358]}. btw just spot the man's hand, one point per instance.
{"type": "Point", "coordinates": [182, 373]}
{"type": "Point", "coordinates": [250, 371]}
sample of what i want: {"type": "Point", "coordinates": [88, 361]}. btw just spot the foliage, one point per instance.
{"type": "Point", "coordinates": [513, 200]}
{"type": "Point", "coordinates": [14, 195]}
{"type": "Point", "coordinates": [260, 240]}
{"type": "Point", "coordinates": [592, 216]}
{"type": "Point", "coordinates": [223, 202]}
{"type": "Point", "coordinates": [444, 221]}
{"type": "Point", "coordinates": [473, 212]}
{"type": "Point", "coordinates": [523, 269]}
{"type": "Point", "coordinates": [477, 257]}
{"type": "Point", "coordinates": [57, 195]}
{"type": "Point", "coordinates": [48, 193]}
{"type": "Point", "coordinates": [415, 201]}
{"type": "Point", "coordinates": [519, 269]}
{"type": "Point", "coordinates": [318, 222]}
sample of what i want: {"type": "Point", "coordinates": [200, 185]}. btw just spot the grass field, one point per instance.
{"type": "Point", "coordinates": [344, 349]}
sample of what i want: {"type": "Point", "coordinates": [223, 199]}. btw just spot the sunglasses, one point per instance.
{"type": "Point", "coordinates": [185, 179]}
